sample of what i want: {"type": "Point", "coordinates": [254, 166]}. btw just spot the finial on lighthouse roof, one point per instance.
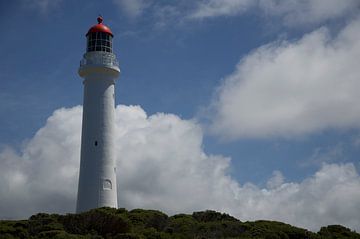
{"type": "Point", "coordinates": [100, 19]}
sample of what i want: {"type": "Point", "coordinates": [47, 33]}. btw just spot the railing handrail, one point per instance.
{"type": "Point", "coordinates": [99, 59]}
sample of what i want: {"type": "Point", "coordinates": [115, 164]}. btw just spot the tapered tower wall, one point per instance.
{"type": "Point", "coordinates": [97, 178]}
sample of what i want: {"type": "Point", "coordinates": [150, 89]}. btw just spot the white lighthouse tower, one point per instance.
{"type": "Point", "coordinates": [100, 69]}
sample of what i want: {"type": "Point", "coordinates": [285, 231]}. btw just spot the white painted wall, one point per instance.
{"type": "Point", "coordinates": [97, 179]}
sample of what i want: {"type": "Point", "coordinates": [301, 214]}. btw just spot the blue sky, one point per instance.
{"type": "Point", "coordinates": [270, 85]}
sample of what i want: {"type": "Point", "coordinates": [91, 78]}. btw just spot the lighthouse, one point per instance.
{"type": "Point", "coordinates": [99, 69]}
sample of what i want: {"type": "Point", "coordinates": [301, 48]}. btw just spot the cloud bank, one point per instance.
{"type": "Point", "coordinates": [288, 89]}
{"type": "Point", "coordinates": [161, 165]}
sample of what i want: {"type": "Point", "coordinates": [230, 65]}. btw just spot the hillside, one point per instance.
{"type": "Point", "coordinates": [138, 223]}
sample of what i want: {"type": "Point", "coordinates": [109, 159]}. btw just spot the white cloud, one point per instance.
{"type": "Point", "coordinates": [292, 12]}
{"type": "Point", "coordinates": [287, 89]}
{"type": "Point", "coordinates": [322, 155]}
{"type": "Point", "coordinates": [161, 160]}
{"type": "Point", "coordinates": [133, 8]}
{"type": "Point", "coordinates": [43, 6]}
{"type": "Point", "coordinates": [42, 176]}
{"type": "Point", "coordinates": [323, 199]}
{"type": "Point", "coordinates": [274, 13]}
{"type": "Point", "coordinates": [160, 15]}
{"type": "Point", "coordinates": [276, 180]}
{"type": "Point", "coordinates": [356, 141]}
{"type": "Point", "coordinates": [215, 8]}
{"type": "Point", "coordinates": [161, 165]}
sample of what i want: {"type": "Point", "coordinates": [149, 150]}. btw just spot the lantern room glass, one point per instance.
{"type": "Point", "coordinates": [99, 41]}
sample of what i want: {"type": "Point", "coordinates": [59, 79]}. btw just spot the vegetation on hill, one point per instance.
{"type": "Point", "coordinates": [138, 223]}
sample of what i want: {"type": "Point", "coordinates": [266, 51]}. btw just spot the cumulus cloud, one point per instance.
{"type": "Point", "coordinates": [287, 89]}
{"type": "Point", "coordinates": [292, 12]}
{"type": "Point", "coordinates": [161, 160]}
{"type": "Point", "coordinates": [321, 199]}
{"type": "Point", "coordinates": [41, 177]}
{"type": "Point", "coordinates": [276, 180]}
{"type": "Point", "coordinates": [161, 165]}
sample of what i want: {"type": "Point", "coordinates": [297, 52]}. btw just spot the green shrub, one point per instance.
{"type": "Point", "coordinates": [107, 223]}
{"type": "Point", "coordinates": [148, 219]}
{"type": "Point", "coordinates": [101, 221]}
{"type": "Point", "coordinates": [211, 216]}
{"type": "Point", "coordinates": [14, 229]}
{"type": "Point", "coordinates": [43, 222]}
{"type": "Point", "coordinates": [337, 231]}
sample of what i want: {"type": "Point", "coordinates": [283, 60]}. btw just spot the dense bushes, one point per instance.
{"type": "Point", "coordinates": [337, 231]}
{"type": "Point", "coordinates": [103, 221]}
{"type": "Point", "coordinates": [212, 216]}
{"type": "Point", "coordinates": [139, 224]}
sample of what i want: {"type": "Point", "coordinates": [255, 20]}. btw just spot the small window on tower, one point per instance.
{"type": "Point", "coordinates": [107, 185]}
{"type": "Point", "coordinates": [96, 143]}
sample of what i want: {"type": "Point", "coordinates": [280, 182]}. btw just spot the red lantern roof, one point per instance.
{"type": "Point", "coordinates": [100, 27]}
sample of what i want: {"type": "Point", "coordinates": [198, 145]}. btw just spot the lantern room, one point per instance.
{"type": "Point", "coordinates": [99, 38]}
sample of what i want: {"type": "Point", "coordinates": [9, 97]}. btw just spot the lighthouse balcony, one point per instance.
{"type": "Point", "coordinates": [99, 59]}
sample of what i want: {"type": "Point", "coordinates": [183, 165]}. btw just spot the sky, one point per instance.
{"type": "Point", "coordinates": [249, 107]}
